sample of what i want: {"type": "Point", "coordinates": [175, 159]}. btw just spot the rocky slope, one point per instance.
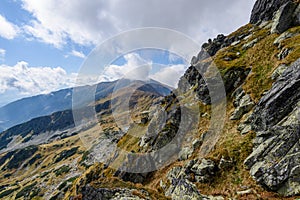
{"type": "Point", "coordinates": [260, 71]}
{"type": "Point", "coordinates": [174, 149]}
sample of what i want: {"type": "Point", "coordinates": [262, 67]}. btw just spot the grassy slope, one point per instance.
{"type": "Point", "coordinates": [261, 58]}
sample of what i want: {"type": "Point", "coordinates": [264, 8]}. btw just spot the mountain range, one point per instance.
{"type": "Point", "coordinates": [42, 105]}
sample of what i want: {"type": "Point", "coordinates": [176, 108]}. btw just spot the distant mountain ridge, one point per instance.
{"type": "Point", "coordinates": [29, 108]}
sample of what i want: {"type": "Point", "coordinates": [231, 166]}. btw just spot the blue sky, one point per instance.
{"type": "Point", "coordinates": [43, 43]}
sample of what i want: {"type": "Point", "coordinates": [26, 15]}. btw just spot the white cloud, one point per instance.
{"type": "Point", "coordinates": [7, 29]}
{"type": "Point", "coordinates": [33, 80]}
{"type": "Point", "coordinates": [77, 54]}
{"type": "Point", "coordinates": [43, 34]}
{"type": "Point", "coordinates": [88, 22]}
{"type": "Point", "coordinates": [169, 75]}
{"type": "Point", "coordinates": [135, 68]}
{"type": "Point", "coordinates": [2, 54]}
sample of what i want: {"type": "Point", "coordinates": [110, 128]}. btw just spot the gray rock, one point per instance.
{"type": "Point", "coordinates": [278, 72]}
{"type": "Point", "coordinates": [284, 53]}
{"type": "Point", "coordinates": [280, 101]}
{"type": "Point", "coordinates": [185, 153]}
{"type": "Point", "coordinates": [250, 44]}
{"type": "Point", "coordinates": [174, 173]}
{"type": "Point", "coordinates": [284, 18]}
{"type": "Point", "coordinates": [275, 160]}
{"type": "Point", "coordinates": [183, 189]}
{"type": "Point", "coordinates": [264, 10]}
{"type": "Point", "coordinates": [243, 104]}
{"type": "Point", "coordinates": [283, 37]}
{"type": "Point", "coordinates": [91, 193]}
{"type": "Point", "coordinates": [244, 128]}
{"type": "Point", "coordinates": [213, 46]}
{"type": "Point", "coordinates": [235, 43]}
{"type": "Point", "coordinates": [292, 118]}
{"type": "Point", "coordinates": [204, 170]}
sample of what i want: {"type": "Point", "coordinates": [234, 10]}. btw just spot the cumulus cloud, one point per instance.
{"type": "Point", "coordinates": [33, 80]}
{"type": "Point", "coordinates": [88, 22]}
{"type": "Point", "coordinates": [7, 29]}
{"type": "Point", "coordinates": [137, 68]}
{"type": "Point", "coordinates": [169, 75]}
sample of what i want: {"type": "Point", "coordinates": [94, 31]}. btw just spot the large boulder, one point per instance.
{"type": "Point", "coordinates": [183, 189]}
{"type": "Point", "coordinates": [284, 14]}
{"type": "Point", "coordinates": [284, 18]}
{"type": "Point", "coordinates": [264, 10]}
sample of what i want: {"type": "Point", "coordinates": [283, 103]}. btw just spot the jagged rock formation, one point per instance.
{"type": "Point", "coordinates": [275, 160]}
{"type": "Point", "coordinates": [264, 10]}
{"type": "Point", "coordinates": [213, 46]}
{"type": "Point", "coordinates": [182, 178]}
{"type": "Point", "coordinates": [284, 18]}
{"type": "Point", "coordinates": [284, 13]}
{"type": "Point", "coordinates": [193, 78]}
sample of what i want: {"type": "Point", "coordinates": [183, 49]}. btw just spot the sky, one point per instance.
{"type": "Point", "coordinates": [44, 43]}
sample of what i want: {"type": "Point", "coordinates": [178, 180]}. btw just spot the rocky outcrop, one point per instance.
{"type": "Point", "coordinates": [264, 10]}
{"type": "Point", "coordinates": [193, 79]}
{"type": "Point", "coordinates": [284, 13]}
{"type": "Point", "coordinates": [279, 101]}
{"type": "Point", "coordinates": [182, 178]}
{"type": "Point", "coordinates": [242, 103]}
{"type": "Point", "coordinates": [201, 171]}
{"type": "Point", "coordinates": [211, 47]}
{"type": "Point", "coordinates": [284, 18]}
{"type": "Point", "coordinates": [183, 189]}
{"type": "Point", "coordinates": [91, 193]}
{"type": "Point", "coordinates": [275, 160]}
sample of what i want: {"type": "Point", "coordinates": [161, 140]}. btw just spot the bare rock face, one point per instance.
{"type": "Point", "coordinates": [284, 14]}
{"type": "Point", "coordinates": [275, 160]}
{"type": "Point", "coordinates": [284, 18]}
{"type": "Point", "coordinates": [279, 102]}
{"type": "Point", "coordinates": [264, 10]}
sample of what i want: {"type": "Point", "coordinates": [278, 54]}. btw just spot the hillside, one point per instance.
{"type": "Point", "coordinates": [195, 143]}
